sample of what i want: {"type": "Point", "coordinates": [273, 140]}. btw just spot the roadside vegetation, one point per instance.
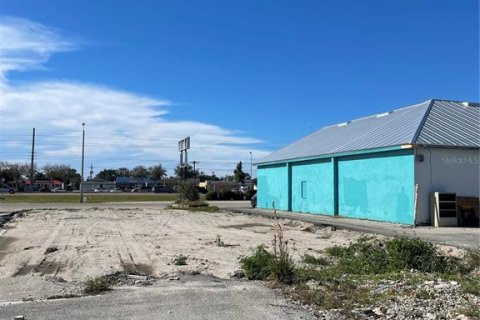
{"type": "Point", "coordinates": [190, 199]}
{"type": "Point", "coordinates": [349, 277]}
{"type": "Point", "coordinates": [96, 285]}
{"type": "Point", "coordinates": [90, 197]}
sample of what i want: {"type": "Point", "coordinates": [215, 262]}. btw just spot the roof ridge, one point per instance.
{"type": "Point", "coordinates": [458, 101]}
{"type": "Point", "coordinates": [424, 119]}
{"type": "Point", "coordinates": [376, 114]}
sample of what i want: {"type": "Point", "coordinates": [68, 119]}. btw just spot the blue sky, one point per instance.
{"type": "Point", "coordinates": [249, 75]}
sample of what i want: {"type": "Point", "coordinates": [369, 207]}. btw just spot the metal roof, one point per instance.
{"type": "Point", "coordinates": [433, 122]}
{"type": "Point", "coordinates": [451, 124]}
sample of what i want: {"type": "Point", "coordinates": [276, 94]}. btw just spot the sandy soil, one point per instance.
{"type": "Point", "coordinates": [99, 241]}
{"type": "Point", "coordinates": [95, 242]}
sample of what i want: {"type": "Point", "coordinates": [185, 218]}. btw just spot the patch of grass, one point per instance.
{"type": "Point", "coordinates": [344, 295]}
{"type": "Point", "coordinates": [96, 286]}
{"type": "Point", "coordinates": [316, 261]}
{"type": "Point", "coordinates": [194, 206]}
{"type": "Point", "coordinates": [425, 295]}
{"type": "Point", "coordinates": [210, 209]}
{"type": "Point", "coordinates": [471, 259]}
{"type": "Point", "coordinates": [400, 253]}
{"type": "Point", "coordinates": [180, 260]}
{"type": "Point", "coordinates": [470, 285]}
{"type": "Point", "coordinates": [471, 310]}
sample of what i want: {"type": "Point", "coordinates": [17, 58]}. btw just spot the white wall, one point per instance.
{"type": "Point", "coordinates": [445, 170]}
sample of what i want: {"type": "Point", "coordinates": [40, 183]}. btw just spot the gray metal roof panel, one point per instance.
{"type": "Point", "coordinates": [433, 122]}
{"type": "Point", "coordinates": [387, 129]}
{"type": "Point", "coordinates": [451, 123]}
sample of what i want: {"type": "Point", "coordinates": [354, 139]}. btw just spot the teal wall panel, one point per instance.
{"type": "Point", "coordinates": [377, 187]}
{"type": "Point", "coordinates": [272, 185]}
{"type": "Point", "coordinates": [313, 187]}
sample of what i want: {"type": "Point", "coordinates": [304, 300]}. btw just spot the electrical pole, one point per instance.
{"type": "Point", "coordinates": [83, 160]}
{"type": "Point", "coordinates": [194, 172]}
{"type": "Point", "coordinates": [32, 170]}
{"type": "Point", "coordinates": [251, 182]}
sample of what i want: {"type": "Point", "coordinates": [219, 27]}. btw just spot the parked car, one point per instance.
{"type": "Point", "coordinates": [137, 189]}
{"type": "Point", "coordinates": [162, 189]}
{"type": "Point", "coordinates": [58, 190]}
{"type": "Point", "coordinates": [5, 188]}
{"type": "Point", "coordinates": [253, 201]}
{"type": "Point", "coordinates": [244, 189]}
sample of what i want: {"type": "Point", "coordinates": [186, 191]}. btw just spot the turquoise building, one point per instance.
{"type": "Point", "coordinates": [381, 167]}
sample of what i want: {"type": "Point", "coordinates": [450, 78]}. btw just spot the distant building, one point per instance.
{"type": "Point", "coordinates": [99, 184]}
{"type": "Point", "coordinates": [43, 184]}
{"type": "Point", "coordinates": [126, 183]}
{"type": "Point", "coordinates": [384, 167]}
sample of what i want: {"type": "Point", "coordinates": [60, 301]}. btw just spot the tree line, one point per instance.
{"type": "Point", "coordinates": [15, 173]}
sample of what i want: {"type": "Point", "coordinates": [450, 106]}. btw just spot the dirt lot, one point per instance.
{"type": "Point", "coordinates": [94, 242]}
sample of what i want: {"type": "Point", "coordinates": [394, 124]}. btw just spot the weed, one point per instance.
{"type": "Point", "coordinates": [470, 285]}
{"type": "Point", "coordinates": [219, 242]}
{"type": "Point", "coordinates": [471, 259]}
{"type": "Point", "coordinates": [283, 267]}
{"type": "Point", "coordinates": [96, 286]}
{"type": "Point", "coordinates": [258, 265]}
{"type": "Point", "coordinates": [425, 295]}
{"type": "Point", "coordinates": [317, 261]}
{"type": "Point", "coordinates": [180, 260]}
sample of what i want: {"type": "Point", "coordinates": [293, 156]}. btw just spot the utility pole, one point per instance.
{"type": "Point", "coordinates": [194, 172]}
{"type": "Point", "coordinates": [32, 170]}
{"type": "Point", "coordinates": [251, 182]}
{"type": "Point", "coordinates": [83, 160]}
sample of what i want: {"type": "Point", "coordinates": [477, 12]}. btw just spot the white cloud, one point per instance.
{"type": "Point", "coordinates": [123, 128]}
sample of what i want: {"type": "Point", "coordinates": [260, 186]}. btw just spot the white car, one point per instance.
{"type": "Point", "coordinates": [58, 190]}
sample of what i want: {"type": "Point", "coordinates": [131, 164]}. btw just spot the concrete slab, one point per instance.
{"type": "Point", "coordinates": [200, 298]}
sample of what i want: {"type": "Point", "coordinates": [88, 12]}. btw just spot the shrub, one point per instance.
{"type": "Point", "coordinates": [400, 253]}
{"type": "Point", "coordinates": [259, 265]}
{"type": "Point", "coordinates": [212, 195]}
{"type": "Point", "coordinates": [223, 195]}
{"type": "Point", "coordinates": [249, 194]}
{"type": "Point", "coordinates": [187, 191]}
{"type": "Point", "coordinates": [96, 285]}
{"type": "Point", "coordinates": [230, 195]}
{"type": "Point", "coordinates": [361, 257]}
{"type": "Point", "coordinates": [180, 260]}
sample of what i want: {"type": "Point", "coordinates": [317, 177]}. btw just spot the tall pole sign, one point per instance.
{"type": "Point", "coordinates": [183, 146]}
